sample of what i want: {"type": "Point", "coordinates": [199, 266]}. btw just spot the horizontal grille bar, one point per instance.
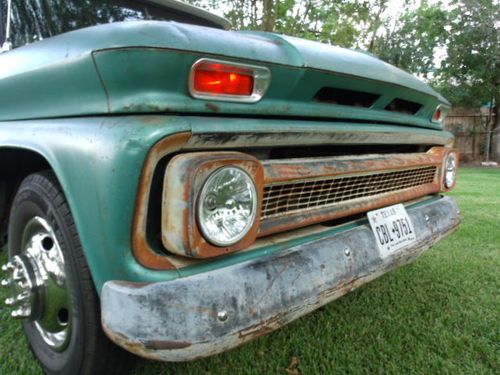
{"type": "Point", "coordinates": [283, 198]}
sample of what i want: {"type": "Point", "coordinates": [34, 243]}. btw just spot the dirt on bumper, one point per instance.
{"type": "Point", "coordinates": [208, 313]}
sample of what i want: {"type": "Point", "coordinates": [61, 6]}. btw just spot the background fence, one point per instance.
{"type": "Point", "coordinates": [469, 126]}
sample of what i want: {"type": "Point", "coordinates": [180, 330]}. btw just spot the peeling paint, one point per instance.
{"type": "Point", "coordinates": [259, 295]}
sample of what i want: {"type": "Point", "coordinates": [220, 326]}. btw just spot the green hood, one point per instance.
{"type": "Point", "coordinates": [133, 67]}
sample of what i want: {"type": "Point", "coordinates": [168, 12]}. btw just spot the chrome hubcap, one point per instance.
{"type": "Point", "coordinates": [37, 279]}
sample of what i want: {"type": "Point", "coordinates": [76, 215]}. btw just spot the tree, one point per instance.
{"type": "Point", "coordinates": [414, 39]}
{"type": "Point", "coordinates": [470, 74]}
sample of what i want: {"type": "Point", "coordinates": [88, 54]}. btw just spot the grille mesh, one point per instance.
{"type": "Point", "coordinates": [296, 196]}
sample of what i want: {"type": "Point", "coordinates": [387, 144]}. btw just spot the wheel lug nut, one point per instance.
{"type": "Point", "coordinates": [7, 267]}
{"type": "Point", "coordinates": [22, 297]}
{"type": "Point", "coordinates": [10, 301]}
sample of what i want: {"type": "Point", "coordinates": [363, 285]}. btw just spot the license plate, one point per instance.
{"type": "Point", "coordinates": [392, 228]}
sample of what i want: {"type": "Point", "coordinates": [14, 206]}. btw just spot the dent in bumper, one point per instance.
{"type": "Point", "coordinates": [183, 319]}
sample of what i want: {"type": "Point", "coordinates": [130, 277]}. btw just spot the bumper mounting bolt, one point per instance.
{"type": "Point", "coordinates": [222, 315]}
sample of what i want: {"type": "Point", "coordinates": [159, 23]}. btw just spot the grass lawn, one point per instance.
{"type": "Point", "coordinates": [439, 315]}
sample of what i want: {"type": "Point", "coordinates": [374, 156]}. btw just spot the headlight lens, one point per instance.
{"type": "Point", "coordinates": [227, 206]}
{"type": "Point", "coordinates": [450, 170]}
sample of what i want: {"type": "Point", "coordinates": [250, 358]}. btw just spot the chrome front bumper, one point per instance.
{"type": "Point", "coordinates": [208, 313]}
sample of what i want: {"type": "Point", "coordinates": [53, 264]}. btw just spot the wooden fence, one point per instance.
{"type": "Point", "coordinates": [469, 127]}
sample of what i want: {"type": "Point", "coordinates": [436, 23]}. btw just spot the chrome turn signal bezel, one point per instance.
{"type": "Point", "coordinates": [261, 80]}
{"type": "Point", "coordinates": [443, 112]}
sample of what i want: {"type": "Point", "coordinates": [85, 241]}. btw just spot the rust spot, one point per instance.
{"type": "Point", "coordinates": [141, 249]}
{"type": "Point", "coordinates": [212, 107]}
{"type": "Point", "coordinates": [298, 169]}
{"type": "Point", "coordinates": [185, 174]}
{"type": "Point", "coordinates": [165, 345]}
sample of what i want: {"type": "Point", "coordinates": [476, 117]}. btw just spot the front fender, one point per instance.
{"type": "Point", "coordinates": [98, 162]}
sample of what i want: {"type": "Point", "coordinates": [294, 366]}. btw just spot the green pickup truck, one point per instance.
{"type": "Point", "coordinates": [175, 188]}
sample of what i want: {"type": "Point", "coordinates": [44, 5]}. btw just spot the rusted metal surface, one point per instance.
{"type": "Point", "coordinates": [184, 316]}
{"type": "Point", "coordinates": [286, 133]}
{"type": "Point", "coordinates": [184, 178]}
{"type": "Point", "coordinates": [300, 170]}
{"type": "Point", "coordinates": [141, 249]}
{"type": "Point", "coordinates": [309, 194]}
{"type": "Point", "coordinates": [186, 172]}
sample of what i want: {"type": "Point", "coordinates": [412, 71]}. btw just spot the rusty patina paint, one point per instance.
{"type": "Point", "coordinates": [184, 178]}
{"type": "Point", "coordinates": [141, 249]}
{"type": "Point", "coordinates": [261, 295]}
{"type": "Point", "coordinates": [304, 169]}
{"type": "Point", "coordinates": [186, 173]}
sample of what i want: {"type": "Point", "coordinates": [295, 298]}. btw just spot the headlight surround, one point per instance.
{"type": "Point", "coordinates": [187, 226]}
{"type": "Point", "coordinates": [227, 206]}
{"type": "Point", "coordinates": [450, 170]}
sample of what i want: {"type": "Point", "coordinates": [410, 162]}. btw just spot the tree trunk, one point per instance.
{"type": "Point", "coordinates": [269, 15]}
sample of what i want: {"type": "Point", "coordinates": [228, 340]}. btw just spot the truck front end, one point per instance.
{"type": "Point", "coordinates": [238, 180]}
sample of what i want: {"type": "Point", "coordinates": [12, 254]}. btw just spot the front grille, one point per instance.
{"type": "Point", "coordinates": [284, 198]}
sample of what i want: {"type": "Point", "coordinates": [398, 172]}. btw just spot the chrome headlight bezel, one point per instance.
{"type": "Point", "coordinates": [201, 214]}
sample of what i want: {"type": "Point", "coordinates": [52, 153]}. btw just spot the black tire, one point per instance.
{"type": "Point", "coordinates": [88, 350]}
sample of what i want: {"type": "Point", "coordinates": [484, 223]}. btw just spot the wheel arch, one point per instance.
{"type": "Point", "coordinates": [16, 163]}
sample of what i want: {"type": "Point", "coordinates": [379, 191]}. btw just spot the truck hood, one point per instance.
{"type": "Point", "coordinates": [119, 67]}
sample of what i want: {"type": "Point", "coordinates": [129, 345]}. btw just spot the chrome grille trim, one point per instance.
{"type": "Point", "coordinates": [301, 195]}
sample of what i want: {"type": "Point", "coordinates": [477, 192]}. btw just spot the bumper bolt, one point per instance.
{"type": "Point", "coordinates": [22, 297]}
{"type": "Point", "coordinates": [222, 315]}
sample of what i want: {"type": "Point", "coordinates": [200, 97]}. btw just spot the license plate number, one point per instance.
{"type": "Point", "coordinates": [392, 228]}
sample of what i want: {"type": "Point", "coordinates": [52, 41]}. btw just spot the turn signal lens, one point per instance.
{"type": "Point", "coordinates": [221, 82]}
{"type": "Point", "coordinates": [228, 81]}
{"type": "Point", "coordinates": [440, 113]}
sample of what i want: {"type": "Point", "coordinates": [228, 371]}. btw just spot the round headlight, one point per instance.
{"type": "Point", "coordinates": [450, 170]}
{"type": "Point", "coordinates": [227, 206]}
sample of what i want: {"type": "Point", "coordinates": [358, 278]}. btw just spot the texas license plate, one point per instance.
{"type": "Point", "coordinates": [392, 228]}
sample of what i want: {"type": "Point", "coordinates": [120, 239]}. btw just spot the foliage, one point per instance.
{"type": "Point", "coordinates": [414, 39]}
{"type": "Point", "coordinates": [452, 43]}
{"type": "Point", "coordinates": [470, 74]}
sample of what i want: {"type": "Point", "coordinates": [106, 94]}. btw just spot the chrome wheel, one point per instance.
{"type": "Point", "coordinates": [37, 278]}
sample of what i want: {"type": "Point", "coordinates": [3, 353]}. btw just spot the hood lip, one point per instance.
{"type": "Point", "coordinates": [243, 60]}
{"type": "Point", "coordinates": [183, 29]}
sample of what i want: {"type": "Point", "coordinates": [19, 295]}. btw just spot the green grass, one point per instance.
{"type": "Point", "coordinates": [439, 315]}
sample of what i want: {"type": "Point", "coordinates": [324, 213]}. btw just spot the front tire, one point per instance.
{"type": "Point", "coordinates": [59, 306]}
